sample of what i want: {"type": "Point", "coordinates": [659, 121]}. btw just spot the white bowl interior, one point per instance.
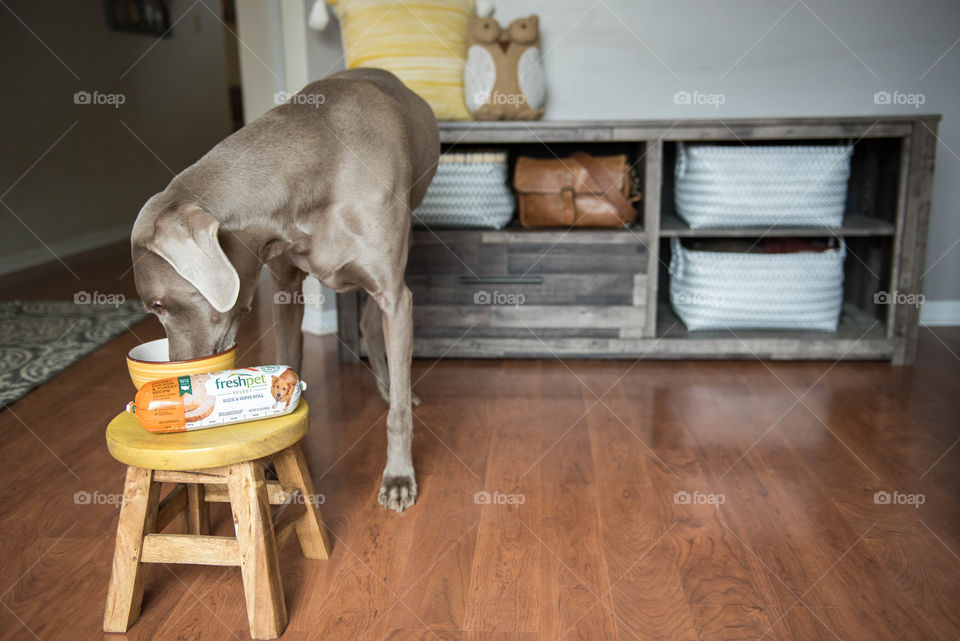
{"type": "Point", "coordinates": [157, 351]}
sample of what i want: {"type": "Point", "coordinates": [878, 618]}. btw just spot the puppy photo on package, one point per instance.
{"type": "Point", "coordinates": [283, 387]}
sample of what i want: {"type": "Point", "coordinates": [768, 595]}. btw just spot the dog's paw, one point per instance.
{"type": "Point", "coordinates": [397, 492]}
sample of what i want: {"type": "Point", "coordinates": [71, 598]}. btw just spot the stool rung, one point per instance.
{"type": "Point", "coordinates": [287, 516]}
{"type": "Point", "coordinates": [211, 475]}
{"type": "Point", "coordinates": [190, 548]}
{"type": "Point", "coordinates": [217, 493]}
{"type": "Point", "coordinates": [172, 504]}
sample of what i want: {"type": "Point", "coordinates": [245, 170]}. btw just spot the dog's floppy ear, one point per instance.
{"type": "Point", "coordinates": [187, 239]}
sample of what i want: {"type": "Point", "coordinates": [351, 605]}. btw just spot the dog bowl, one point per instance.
{"type": "Point", "coordinates": [148, 362]}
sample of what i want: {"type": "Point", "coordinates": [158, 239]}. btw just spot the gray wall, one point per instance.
{"type": "Point", "coordinates": [627, 59]}
{"type": "Point", "coordinates": [89, 187]}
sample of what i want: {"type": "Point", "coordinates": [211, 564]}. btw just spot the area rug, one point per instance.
{"type": "Point", "coordinates": [39, 339]}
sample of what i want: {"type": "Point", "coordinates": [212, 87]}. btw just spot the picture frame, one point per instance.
{"type": "Point", "coordinates": [148, 17]}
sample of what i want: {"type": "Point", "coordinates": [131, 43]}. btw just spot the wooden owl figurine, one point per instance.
{"type": "Point", "coordinates": [503, 77]}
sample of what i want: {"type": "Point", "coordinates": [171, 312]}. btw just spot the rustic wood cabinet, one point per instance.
{"type": "Point", "coordinates": [583, 293]}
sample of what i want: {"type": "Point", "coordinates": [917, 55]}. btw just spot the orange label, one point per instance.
{"type": "Point", "coordinates": [159, 406]}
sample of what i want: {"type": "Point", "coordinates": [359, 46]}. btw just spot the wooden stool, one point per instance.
{"type": "Point", "coordinates": [214, 465]}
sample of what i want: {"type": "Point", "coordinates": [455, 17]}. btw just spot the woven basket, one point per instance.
{"type": "Point", "coordinates": [740, 186]}
{"type": "Point", "coordinates": [726, 290]}
{"type": "Point", "coordinates": [469, 190]}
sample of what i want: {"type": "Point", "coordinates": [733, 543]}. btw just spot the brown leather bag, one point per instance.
{"type": "Point", "coordinates": [581, 191]}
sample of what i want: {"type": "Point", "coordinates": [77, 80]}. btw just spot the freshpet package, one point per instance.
{"type": "Point", "coordinates": [199, 401]}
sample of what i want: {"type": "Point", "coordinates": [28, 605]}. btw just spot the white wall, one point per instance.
{"type": "Point", "coordinates": [88, 188]}
{"type": "Point", "coordinates": [261, 55]}
{"type": "Point", "coordinates": [627, 58]}
{"type": "Point", "coordinates": [273, 59]}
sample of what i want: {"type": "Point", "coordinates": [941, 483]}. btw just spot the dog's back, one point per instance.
{"type": "Point", "coordinates": [380, 96]}
{"type": "Point", "coordinates": [352, 124]}
{"type": "Point", "coordinates": [420, 127]}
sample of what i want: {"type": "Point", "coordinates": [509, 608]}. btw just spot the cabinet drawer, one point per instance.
{"type": "Point", "coordinates": [524, 253]}
{"type": "Point", "coordinates": [573, 319]}
{"type": "Point", "coordinates": [547, 289]}
{"type": "Point", "coordinates": [505, 284]}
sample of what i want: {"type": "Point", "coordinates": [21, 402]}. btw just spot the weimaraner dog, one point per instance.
{"type": "Point", "coordinates": [322, 185]}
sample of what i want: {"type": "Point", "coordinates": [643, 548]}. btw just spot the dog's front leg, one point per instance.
{"type": "Point", "coordinates": [287, 311]}
{"type": "Point", "coordinates": [398, 488]}
{"type": "Point", "coordinates": [371, 328]}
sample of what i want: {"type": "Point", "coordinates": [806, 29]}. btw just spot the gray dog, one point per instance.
{"type": "Point", "coordinates": [322, 185]}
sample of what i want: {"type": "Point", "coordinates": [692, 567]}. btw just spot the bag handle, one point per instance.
{"type": "Point", "coordinates": [611, 191]}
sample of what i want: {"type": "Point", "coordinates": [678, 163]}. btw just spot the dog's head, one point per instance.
{"type": "Point", "coordinates": [184, 276]}
{"type": "Point", "coordinates": [281, 387]}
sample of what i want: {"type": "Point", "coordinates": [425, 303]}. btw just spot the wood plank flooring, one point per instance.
{"type": "Point", "coordinates": [627, 501]}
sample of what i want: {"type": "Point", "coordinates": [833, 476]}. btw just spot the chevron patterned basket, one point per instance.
{"type": "Point", "coordinates": [470, 189]}
{"type": "Point", "coordinates": [720, 186]}
{"type": "Point", "coordinates": [727, 290]}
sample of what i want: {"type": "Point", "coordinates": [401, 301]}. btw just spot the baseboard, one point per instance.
{"type": "Point", "coordinates": [62, 249]}
{"type": "Point", "coordinates": [319, 322]}
{"type": "Point", "coordinates": [940, 313]}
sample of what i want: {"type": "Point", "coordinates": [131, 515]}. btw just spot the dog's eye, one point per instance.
{"type": "Point", "coordinates": [156, 306]}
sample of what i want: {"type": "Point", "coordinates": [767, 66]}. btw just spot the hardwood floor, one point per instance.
{"type": "Point", "coordinates": [649, 500]}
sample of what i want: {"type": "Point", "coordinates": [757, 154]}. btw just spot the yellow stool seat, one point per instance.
{"type": "Point", "coordinates": [130, 443]}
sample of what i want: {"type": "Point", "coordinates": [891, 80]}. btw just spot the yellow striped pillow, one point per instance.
{"type": "Point", "coordinates": [423, 42]}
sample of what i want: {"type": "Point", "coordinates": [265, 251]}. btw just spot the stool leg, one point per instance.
{"type": "Point", "coordinates": [259, 565]}
{"type": "Point", "coordinates": [292, 472]}
{"type": "Point", "coordinates": [198, 512]}
{"type": "Point", "coordinates": [138, 517]}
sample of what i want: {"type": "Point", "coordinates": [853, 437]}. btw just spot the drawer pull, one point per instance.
{"type": "Point", "coordinates": [501, 280]}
